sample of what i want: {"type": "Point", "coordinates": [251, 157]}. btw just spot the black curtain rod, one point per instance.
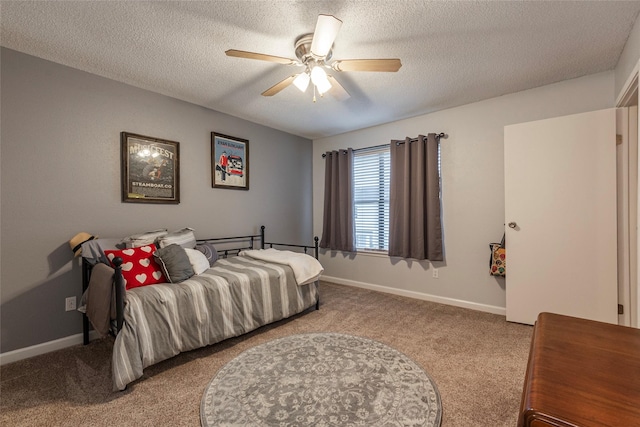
{"type": "Point", "coordinates": [440, 135]}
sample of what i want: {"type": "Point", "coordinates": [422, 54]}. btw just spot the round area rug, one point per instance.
{"type": "Point", "coordinates": [322, 379]}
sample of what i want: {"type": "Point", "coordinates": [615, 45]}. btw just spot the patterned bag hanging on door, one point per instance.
{"type": "Point", "coordinates": [498, 262]}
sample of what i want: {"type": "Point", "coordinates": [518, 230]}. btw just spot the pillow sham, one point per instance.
{"type": "Point", "coordinates": [185, 238]}
{"type": "Point", "coordinates": [209, 252]}
{"type": "Point", "coordinates": [198, 260]}
{"type": "Point", "coordinates": [174, 263]}
{"type": "Point", "coordinates": [138, 266]}
{"type": "Point", "coordinates": [143, 239]}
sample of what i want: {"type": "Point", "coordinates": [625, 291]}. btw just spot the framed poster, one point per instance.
{"type": "Point", "coordinates": [150, 169]}
{"type": "Point", "coordinates": [229, 162]}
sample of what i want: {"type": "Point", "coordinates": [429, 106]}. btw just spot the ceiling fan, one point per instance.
{"type": "Point", "coordinates": [314, 54]}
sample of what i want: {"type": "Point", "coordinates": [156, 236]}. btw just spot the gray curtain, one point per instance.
{"type": "Point", "coordinates": [337, 224]}
{"type": "Point", "coordinates": [415, 229]}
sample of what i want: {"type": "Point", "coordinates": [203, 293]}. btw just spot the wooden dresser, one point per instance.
{"type": "Point", "coordinates": [581, 373]}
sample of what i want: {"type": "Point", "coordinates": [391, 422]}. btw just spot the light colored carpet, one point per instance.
{"type": "Point", "coordinates": [321, 380]}
{"type": "Point", "coordinates": [477, 360]}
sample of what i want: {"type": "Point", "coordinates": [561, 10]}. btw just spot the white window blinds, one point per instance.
{"type": "Point", "coordinates": [371, 198]}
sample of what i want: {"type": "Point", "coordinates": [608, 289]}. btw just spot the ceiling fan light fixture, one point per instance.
{"type": "Point", "coordinates": [320, 80]}
{"type": "Point", "coordinates": [302, 81]}
{"type": "Point", "coordinates": [323, 86]}
{"type": "Point", "coordinates": [324, 35]}
{"type": "Point", "coordinates": [318, 75]}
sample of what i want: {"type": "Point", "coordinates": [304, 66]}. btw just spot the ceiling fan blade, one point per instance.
{"type": "Point", "coordinates": [279, 86]}
{"type": "Point", "coordinates": [260, 56]}
{"type": "Point", "coordinates": [337, 91]}
{"type": "Point", "coordinates": [388, 65]}
{"type": "Point", "coordinates": [325, 34]}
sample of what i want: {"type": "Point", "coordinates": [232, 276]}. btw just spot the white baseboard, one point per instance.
{"type": "Point", "coordinates": [46, 347]}
{"type": "Point", "coordinates": [418, 295]}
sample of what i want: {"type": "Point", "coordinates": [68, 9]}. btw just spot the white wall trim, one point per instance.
{"type": "Point", "coordinates": [46, 347]}
{"type": "Point", "coordinates": [59, 344]}
{"type": "Point", "coordinates": [417, 295]}
{"type": "Point", "coordinates": [630, 85]}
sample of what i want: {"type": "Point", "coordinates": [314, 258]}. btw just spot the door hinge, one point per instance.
{"type": "Point", "coordinates": [618, 139]}
{"type": "Point", "coordinates": [620, 309]}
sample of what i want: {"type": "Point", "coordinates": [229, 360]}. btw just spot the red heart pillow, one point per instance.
{"type": "Point", "coordinates": [139, 268]}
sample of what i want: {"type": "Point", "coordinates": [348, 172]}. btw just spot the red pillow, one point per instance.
{"type": "Point", "coordinates": [139, 268]}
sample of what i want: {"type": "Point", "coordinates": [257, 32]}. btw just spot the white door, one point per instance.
{"type": "Point", "coordinates": [560, 208]}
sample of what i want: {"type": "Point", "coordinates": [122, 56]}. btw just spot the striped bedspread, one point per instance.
{"type": "Point", "coordinates": [237, 295]}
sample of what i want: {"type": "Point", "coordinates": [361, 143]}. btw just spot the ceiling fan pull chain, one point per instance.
{"type": "Point", "coordinates": [314, 93]}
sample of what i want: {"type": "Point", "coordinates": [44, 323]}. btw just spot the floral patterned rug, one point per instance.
{"type": "Point", "coordinates": [323, 379]}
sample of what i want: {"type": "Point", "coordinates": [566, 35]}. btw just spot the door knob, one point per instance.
{"type": "Point", "coordinates": [512, 225]}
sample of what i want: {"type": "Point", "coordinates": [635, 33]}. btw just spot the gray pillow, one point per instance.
{"type": "Point", "coordinates": [174, 262]}
{"type": "Point", "coordinates": [209, 251]}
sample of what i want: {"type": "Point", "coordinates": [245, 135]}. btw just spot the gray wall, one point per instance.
{"type": "Point", "coordinates": [60, 158]}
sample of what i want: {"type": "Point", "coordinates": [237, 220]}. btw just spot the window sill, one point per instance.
{"type": "Point", "coordinates": [380, 254]}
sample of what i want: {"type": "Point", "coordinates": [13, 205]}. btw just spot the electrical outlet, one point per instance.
{"type": "Point", "coordinates": [435, 273]}
{"type": "Point", "coordinates": [70, 303]}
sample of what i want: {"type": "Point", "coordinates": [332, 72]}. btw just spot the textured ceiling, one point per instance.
{"type": "Point", "coordinates": [453, 53]}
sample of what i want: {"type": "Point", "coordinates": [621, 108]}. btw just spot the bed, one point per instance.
{"type": "Point", "coordinates": [251, 284]}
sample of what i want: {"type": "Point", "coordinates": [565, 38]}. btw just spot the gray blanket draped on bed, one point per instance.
{"type": "Point", "coordinates": [235, 296]}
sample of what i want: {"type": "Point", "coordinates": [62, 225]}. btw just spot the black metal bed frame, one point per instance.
{"type": "Point", "coordinates": [119, 283]}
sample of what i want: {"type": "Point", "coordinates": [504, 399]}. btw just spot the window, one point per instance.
{"type": "Point", "coordinates": [371, 198]}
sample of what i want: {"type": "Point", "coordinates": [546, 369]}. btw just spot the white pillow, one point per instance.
{"type": "Point", "coordinates": [143, 239]}
{"type": "Point", "coordinates": [185, 238]}
{"type": "Point", "coordinates": [198, 260]}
